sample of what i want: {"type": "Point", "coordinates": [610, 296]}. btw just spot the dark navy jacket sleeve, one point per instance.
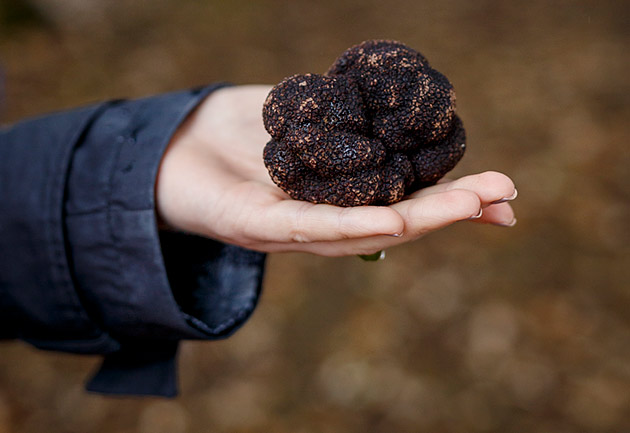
{"type": "Point", "coordinates": [83, 267]}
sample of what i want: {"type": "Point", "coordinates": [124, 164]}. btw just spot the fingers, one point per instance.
{"type": "Point", "coordinates": [500, 214]}
{"type": "Point", "coordinates": [419, 217]}
{"type": "Point", "coordinates": [300, 222]}
{"type": "Point", "coordinates": [290, 221]}
{"type": "Point", "coordinates": [288, 225]}
{"type": "Point", "coordinates": [428, 212]}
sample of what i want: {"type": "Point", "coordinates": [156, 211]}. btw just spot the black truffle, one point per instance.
{"type": "Point", "coordinates": [378, 125]}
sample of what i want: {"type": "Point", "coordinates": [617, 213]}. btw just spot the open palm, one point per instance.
{"type": "Point", "coordinates": [213, 182]}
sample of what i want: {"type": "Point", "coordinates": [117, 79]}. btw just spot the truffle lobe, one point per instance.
{"type": "Point", "coordinates": [335, 153]}
{"type": "Point", "coordinates": [410, 103]}
{"type": "Point", "coordinates": [301, 183]}
{"type": "Point", "coordinates": [395, 177]}
{"type": "Point", "coordinates": [330, 102]}
{"type": "Point", "coordinates": [430, 164]}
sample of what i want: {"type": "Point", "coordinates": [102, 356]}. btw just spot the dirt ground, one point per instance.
{"type": "Point", "coordinates": [471, 329]}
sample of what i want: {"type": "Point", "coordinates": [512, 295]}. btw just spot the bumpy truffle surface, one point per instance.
{"type": "Point", "coordinates": [378, 125]}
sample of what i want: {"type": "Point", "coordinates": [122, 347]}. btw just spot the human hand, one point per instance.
{"type": "Point", "coordinates": [212, 182]}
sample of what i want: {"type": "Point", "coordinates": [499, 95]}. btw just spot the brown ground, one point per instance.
{"type": "Point", "coordinates": [472, 329]}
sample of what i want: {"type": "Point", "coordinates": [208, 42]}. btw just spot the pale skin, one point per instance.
{"type": "Point", "coordinates": [212, 182]}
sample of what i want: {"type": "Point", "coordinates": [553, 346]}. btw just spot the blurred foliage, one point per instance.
{"type": "Point", "coordinates": [471, 329]}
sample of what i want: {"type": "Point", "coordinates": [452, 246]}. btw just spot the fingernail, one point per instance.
{"type": "Point", "coordinates": [510, 224]}
{"type": "Point", "coordinates": [474, 217]}
{"type": "Point", "coordinates": [510, 198]}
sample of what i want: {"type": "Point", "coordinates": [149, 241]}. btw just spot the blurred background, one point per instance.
{"type": "Point", "coordinates": [471, 329]}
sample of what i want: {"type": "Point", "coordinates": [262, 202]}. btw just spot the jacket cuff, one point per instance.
{"type": "Point", "coordinates": [141, 368]}
{"type": "Point", "coordinates": [135, 288]}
